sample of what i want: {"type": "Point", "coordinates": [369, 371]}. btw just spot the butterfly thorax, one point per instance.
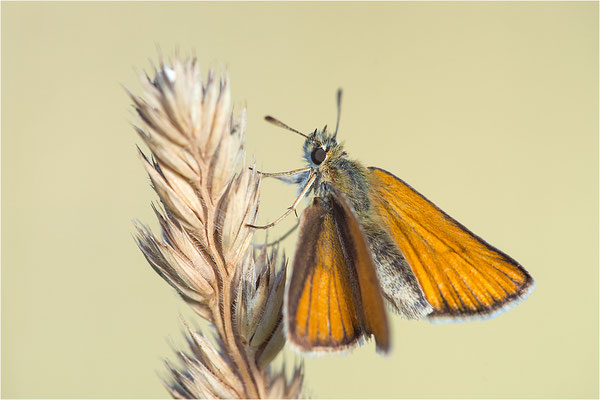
{"type": "Point", "coordinates": [336, 169]}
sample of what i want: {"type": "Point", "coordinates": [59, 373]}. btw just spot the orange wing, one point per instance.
{"type": "Point", "coordinates": [324, 302]}
{"type": "Point", "coordinates": [359, 257]}
{"type": "Point", "coordinates": [460, 274]}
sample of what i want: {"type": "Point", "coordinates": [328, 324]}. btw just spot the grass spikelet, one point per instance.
{"type": "Point", "coordinates": [204, 252]}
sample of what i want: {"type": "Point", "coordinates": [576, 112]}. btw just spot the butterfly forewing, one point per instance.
{"type": "Point", "coordinates": [331, 284]}
{"type": "Point", "coordinates": [460, 274]}
{"type": "Point", "coordinates": [321, 309]}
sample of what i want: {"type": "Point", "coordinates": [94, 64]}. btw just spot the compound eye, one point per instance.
{"type": "Point", "coordinates": [318, 155]}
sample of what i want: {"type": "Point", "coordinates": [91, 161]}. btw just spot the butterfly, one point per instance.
{"type": "Point", "coordinates": [369, 241]}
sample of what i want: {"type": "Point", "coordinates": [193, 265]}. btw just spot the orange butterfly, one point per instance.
{"type": "Point", "coordinates": [368, 236]}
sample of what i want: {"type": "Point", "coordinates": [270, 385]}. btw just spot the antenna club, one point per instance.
{"type": "Point", "coordinates": [339, 111]}
{"type": "Point", "coordinates": [277, 122]}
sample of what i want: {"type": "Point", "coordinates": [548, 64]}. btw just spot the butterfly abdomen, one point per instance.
{"type": "Point", "coordinates": [398, 283]}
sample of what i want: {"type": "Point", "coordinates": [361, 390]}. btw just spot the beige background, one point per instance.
{"type": "Point", "coordinates": [489, 109]}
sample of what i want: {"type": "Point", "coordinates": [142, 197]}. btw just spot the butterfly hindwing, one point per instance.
{"type": "Point", "coordinates": [357, 250]}
{"type": "Point", "coordinates": [460, 274]}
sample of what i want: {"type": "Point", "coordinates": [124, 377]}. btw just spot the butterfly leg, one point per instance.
{"type": "Point", "coordinates": [285, 173]}
{"type": "Point", "coordinates": [273, 243]}
{"type": "Point", "coordinates": [291, 209]}
{"type": "Point", "coordinates": [295, 176]}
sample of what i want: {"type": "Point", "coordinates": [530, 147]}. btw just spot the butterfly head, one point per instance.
{"type": "Point", "coordinates": [321, 148]}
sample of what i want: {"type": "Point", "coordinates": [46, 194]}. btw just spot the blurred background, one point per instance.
{"type": "Point", "coordinates": [488, 109]}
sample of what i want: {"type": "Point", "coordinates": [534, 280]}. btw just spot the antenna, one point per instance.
{"type": "Point", "coordinates": [277, 122]}
{"type": "Point", "coordinates": [339, 111]}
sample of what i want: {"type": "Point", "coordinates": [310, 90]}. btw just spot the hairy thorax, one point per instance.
{"type": "Point", "coordinates": [349, 177]}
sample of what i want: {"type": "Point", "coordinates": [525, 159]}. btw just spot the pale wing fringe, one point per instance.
{"type": "Point", "coordinates": [196, 143]}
